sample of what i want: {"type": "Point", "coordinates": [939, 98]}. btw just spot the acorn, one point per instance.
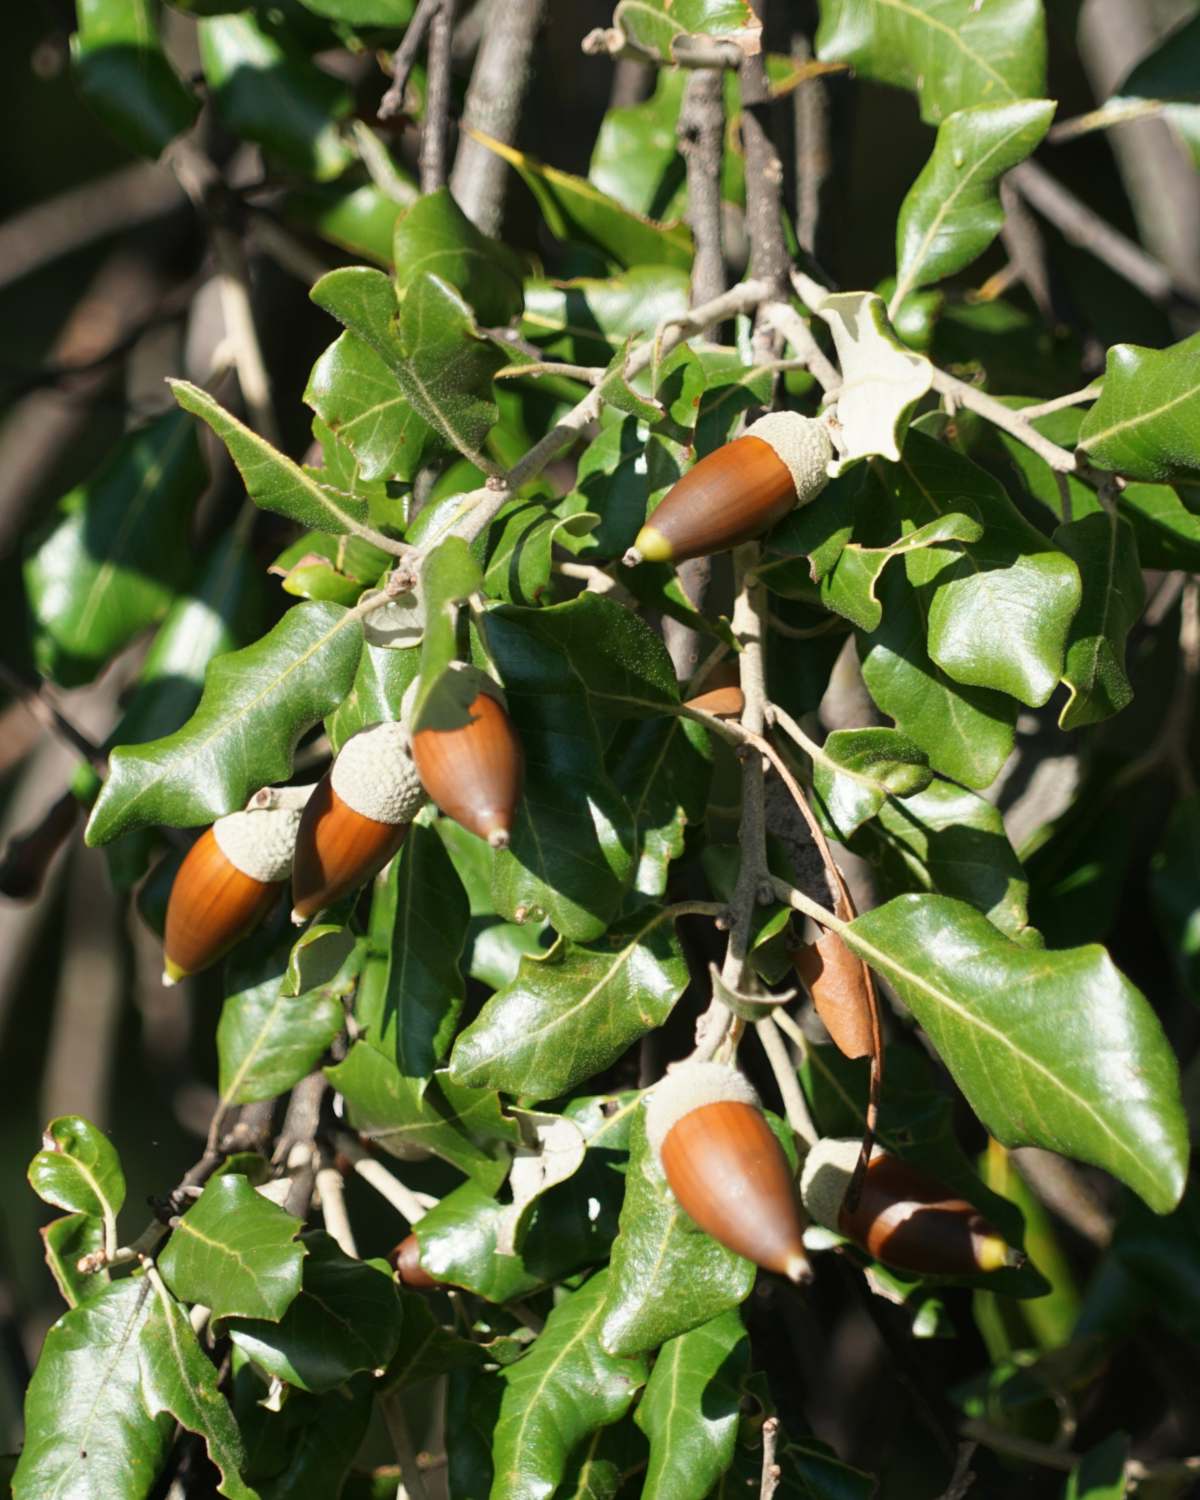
{"type": "Point", "coordinates": [835, 980]}
{"type": "Point", "coordinates": [725, 1165]}
{"type": "Point", "coordinates": [230, 879]}
{"type": "Point", "coordinates": [356, 819]}
{"type": "Point", "coordinates": [405, 1261]}
{"type": "Point", "coordinates": [738, 491]}
{"type": "Point", "coordinates": [468, 756]}
{"type": "Point", "coordinates": [903, 1218]}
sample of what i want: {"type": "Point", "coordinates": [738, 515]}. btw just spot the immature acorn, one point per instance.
{"type": "Point", "coordinates": [469, 758]}
{"type": "Point", "coordinates": [725, 1165]}
{"type": "Point", "coordinates": [356, 819]}
{"type": "Point", "coordinates": [738, 491]}
{"type": "Point", "coordinates": [903, 1218]}
{"type": "Point", "coordinates": [230, 879]}
{"type": "Point", "coordinates": [835, 980]}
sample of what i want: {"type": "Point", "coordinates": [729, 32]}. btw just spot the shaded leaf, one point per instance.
{"type": "Point", "coordinates": [1167, 75]}
{"type": "Point", "coordinates": [588, 318]}
{"type": "Point", "coordinates": [1105, 551]}
{"type": "Point", "coordinates": [426, 1348]}
{"type": "Point", "coordinates": [319, 1440]}
{"type": "Point", "coordinates": [1054, 1049]}
{"type": "Point", "coordinates": [78, 1169]}
{"type": "Point", "coordinates": [850, 584]}
{"type": "Point", "coordinates": [1175, 889]}
{"type": "Point", "coordinates": [663, 769]}
{"type": "Point", "coordinates": [358, 219]}
{"type": "Point", "coordinates": [1146, 423]}
{"type": "Point", "coordinates": [858, 769]}
{"type": "Point", "coordinates": [257, 702]}
{"type": "Point", "coordinates": [1100, 1473]}
{"type": "Point", "coordinates": [435, 237]}
{"type": "Point", "coordinates": [354, 391]}
{"type": "Point", "coordinates": [123, 73]}
{"type": "Point", "coordinates": [383, 677]}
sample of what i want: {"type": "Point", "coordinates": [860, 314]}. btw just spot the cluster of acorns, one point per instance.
{"type": "Point", "coordinates": [352, 823]}
{"type": "Point", "coordinates": [704, 1121]}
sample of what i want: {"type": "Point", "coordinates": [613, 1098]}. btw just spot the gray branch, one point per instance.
{"type": "Point", "coordinates": [437, 99]}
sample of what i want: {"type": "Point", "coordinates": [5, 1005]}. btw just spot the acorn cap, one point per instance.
{"type": "Point", "coordinates": [259, 842]}
{"type": "Point", "coordinates": [828, 1169]}
{"type": "Point", "coordinates": [374, 775]}
{"type": "Point", "coordinates": [686, 1086]}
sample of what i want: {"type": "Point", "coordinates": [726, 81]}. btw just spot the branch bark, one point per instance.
{"type": "Point", "coordinates": [437, 98]}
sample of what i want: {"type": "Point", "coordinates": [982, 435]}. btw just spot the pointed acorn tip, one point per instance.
{"type": "Point", "coordinates": [652, 546]}
{"type": "Point", "coordinates": [298, 917]}
{"type": "Point", "coordinates": [498, 838]}
{"type": "Point", "coordinates": [172, 973]}
{"type": "Point", "coordinates": [994, 1254]}
{"type": "Point", "coordinates": [798, 1269]}
{"type": "Point", "coordinates": [632, 558]}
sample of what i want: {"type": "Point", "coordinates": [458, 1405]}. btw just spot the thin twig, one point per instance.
{"type": "Point", "coordinates": [332, 1196]}
{"type": "Point", "coordinates": [771, 1472]}
{"type": "Point", "coordinates": [795, 329]}
{"type": "Point", "coordinates": [1014, 422]}
{"type": "Point", "coordinates": [405, 55]}
{"type": "Point", "coordinates": [392, 1404]}
{"type": "Point", "coordinates": [408, 1204]}
{"type": "Point", "coordinates": [764, 175]}
{"type": "Point", "coordinates": [794, 1103]}
{"type": "Point", "coordinates": [1013, 1446]}
{"type": "Point", "coordinates": [1059, 403]}
{"type": "Point", "coordinates": [437, 98]}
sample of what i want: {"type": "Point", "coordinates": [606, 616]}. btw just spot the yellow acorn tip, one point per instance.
{"type": "Point", "coordinates": [172, 973]}
{"type": "Point", "coordinates": [652, 546]}
{"type": "Point", "coordinates": [993, 1254]}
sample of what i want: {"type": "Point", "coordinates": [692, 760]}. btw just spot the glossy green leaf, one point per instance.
{"type": "Point", "coordinates": [123, 73]}
{"type": "Point", "coordinates": [1175, 890]}
{"type": "Point", "coordinates": [516, 551]}
{"type": "Point", "coordinates": [235, 1252]}
{"type": "Point", "coordinates": [327, 956]}
{"type": "Point", "coordinates": [664, 27]}
{"type": "Point", "coordinates": [383, 677]}
{"type": "Point", "coordinates": [419, 915]}
{"type": "Point", "coordinates": [399, 1113]}
{"type": "Point", "coordinates": [574, 209]}
{"type": "Point", "coordinates": [87, 1428]}
{"type": "Point", "coordinates": [1054, 1049]}
{"type": "Point", "coordinates": [268, 1040]}
{"type": "Point", "coordinates": [459, 1242]}
{"type": "Point", "coordinates": [950, 841]}
{"type": "Point", "coordinates": [450, 574]}
{"type": "Point", "coordinates": [354, 391]}
{"type": "Point", "coordinates": [358, 219]}
{"type": "Point", "coordinates": [1100, 1473]}
{"type": "Point", "coordinates": [663, 769]}
{"type": "Point", "coordinates": [272, 480]}
{"type": "Point", "coordinates": [1146, 424]}
{"type": "Point", "coordinates": [316, 1439]}
{"type": "Point", "coordinates": [572, 1012]}
{"type": "Point", "coordinates": [430, 343]}
{"type": "Point", "coordinates": [950, 53]}
{"type": "Point", "coordinates": [882, 378]}
{"type": "Point", "coordinates": [78, 1169]}
{"type": "Point", "coordinates": [860, 768]}
{"type": "Point", "coordinates": [274, 95]}
{"type": "Point", "coordinates": [118, 552]}
{"type": "Point", "coordinates": [66, 1241]}
{"type": "Point", "coordinates": [1105, 551]}
{"type": "Point", "coordinates": [588, 319]}
{"type": "Point", "coordinates": [256, 704]}
{"type": "Point", "coordinates": [434, 237]}
{"type": "Point", "coordinates": [566, 1387]}
{"type": "Point", "coordinates": [611, 480]}
{"type": "Point", "coordinates": [952, 212]}
{"type": "Point", "coordinates": [636, 157]}
{"type": "Point", "coordinates": [691, 1408]}
{"type": "Point", "coordinates": [346, 1317]}
{"type": "Point", "coordinates": [667, 1276]}
{"type": "Point", "coordinates": [179, 1379]}
{"type": "Point", "coordinates": [850, 585]}
{"type": "Point", "coordinates": [967, 733]}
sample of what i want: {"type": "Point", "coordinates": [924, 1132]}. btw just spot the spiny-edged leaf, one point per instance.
{"type": "Point", "coordinates": [78, 1168]}
{"type": "Point", "coordinates": [219, 612]}
{"type": "Point", "coordinates": [850, 585]}
{"type": "Point", "coordinates": [430, 343]}
{"type": "Point", "coordinates": [590, 318]}
{"type": "Point", "coordinates": [308, 1447]}
{"type": "Point", "coordinates": [857, 771]}
{"type": "Point", "coordinates": [571, 1013]}
{"type": "Point", "coordinates": [692, 1407]}
{"type": "Point", "coordinates": [346, 1317]}
{"type": "Point", "coordinates": [1105, 551]}
{"type": "Point", "coordinates": [355, 392]}
{"type": "Point", "coordinates": [179, 1378]}
{"type": "Point", "coordinates": [1053, 1049]}
{"type": "Point", "coordinates": [1175, 889]}
{"type": "Point", "coordinates": [1000, 608]}
{"type": "Point", "coordinates": [663, 768]}
{"type": "Point", "coordinates": [419, 915]}
{"type": "Point", "coordinates": [966, 732]}
{"type": "Point", "coordinates": [65, 1242]}
{"type": "Point", "coordinates": [268, 1040]}
{"type": "Point", "coordinates": [435, 236]}
{"type": "Point", "coordinates": [272, 480]}
{"type": "Point", "coordinates": [123, 73]}
{"type": "Point", "coordinates": [118, 552]}
{"type": "Point", "coordinates": [87, 1430]}
{"type": "Point", "coordinates": [425, 1347]}
{"type": "Point", "coordinates": [661, 26]}
{"type": "Point", "coordinates": [1146, 424]}
{"type": "Point", "coordinates": [398, 1113]}
{"type": "Point", "coordinates": [566, 1387]}
{"type": "Point", "coordinates": [235, 1252]}
{"type": "Point", "coordinates": [667, 1276]}
{"type": "Point", "coordinates": [882, 378]}
{"type": "Point", "coordinates": [951, 841]}
{"type": "Point", "coordinates": [952, 212]}
{"type": "Point", "coordinates": [950, 53]}
{"type": "Point", "coordinates": [574, 209]}
{"type": "Point", "coordinates": [274, 95]}
{"type": "Point", "coordinates": [256, 704]}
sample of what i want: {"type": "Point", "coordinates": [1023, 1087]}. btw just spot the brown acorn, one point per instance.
{"type": "Point", "coordinates": [835, 980]}
{"type": "Point", "coordinates": [725, 1165]}
{"type": "Point", "coordinates": [356, 819]}
{"type": "Point", "coordinates": [902, 1218]}
{"type": "Point", "coordinates": [469, 758]}
{"type": "Point", "coordinates": [406, 1262]}
{"type": "Point", "coordinates": [738, 491]}
{"type": "Point", "coordinates": [230, 879]}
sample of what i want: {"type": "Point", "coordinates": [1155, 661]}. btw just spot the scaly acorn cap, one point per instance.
{"type": "Point", "coordinates": [725, 1166]}
{"type": "Point", "coordinates": [228, 882]}
{"type": "Point", "coordinates": [739, 490]}
{"type": "Point", "coordinates": [903, 1217]}
{"type": "Point", "coordinates": [356, 819]}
